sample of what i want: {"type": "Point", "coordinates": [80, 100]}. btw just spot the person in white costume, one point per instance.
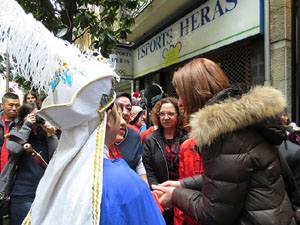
{"type": "Point", "coordinates": [80, 96]}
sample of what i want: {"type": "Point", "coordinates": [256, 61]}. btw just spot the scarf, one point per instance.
{"type": "Point", "coordinates": [4, 152]}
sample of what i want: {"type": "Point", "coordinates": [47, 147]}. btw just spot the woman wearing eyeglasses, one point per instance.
{"type": "Point", "coordinates": [161, 147]}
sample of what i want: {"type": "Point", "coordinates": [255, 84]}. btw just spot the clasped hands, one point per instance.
{"type": "Point", "coordinates": [164, 192]}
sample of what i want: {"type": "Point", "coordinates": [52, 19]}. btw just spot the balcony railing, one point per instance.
{"type": "Point", "coordinates": [142, 6]}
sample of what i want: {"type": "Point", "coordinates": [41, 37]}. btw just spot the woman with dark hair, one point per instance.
{"type": "Point", "coordinates": [237, 129]}
{"type": "Point", "coordinates": [30, 129]}
{"type": "Point", "coordinates": [31, 96]}
{"type": "Point", "coordinates": [161, 147]}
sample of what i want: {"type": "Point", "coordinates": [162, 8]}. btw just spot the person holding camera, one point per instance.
{"type": "Point", "coordinates": [31, 129]}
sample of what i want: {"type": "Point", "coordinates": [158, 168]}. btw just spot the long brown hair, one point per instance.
{"type": "Point", "coordinates": [38, 101]}
{"type": "Point", "coordinates": [197, 82]}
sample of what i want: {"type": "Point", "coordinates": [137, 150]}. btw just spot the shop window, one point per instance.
{"type": "Point", "coordinates": [235, 61]}
{"type": "Point", "coordinates": [257, 62]}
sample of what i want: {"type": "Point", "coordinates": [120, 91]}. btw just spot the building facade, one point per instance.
{"type": "Point", "coordinates": [253, 41]}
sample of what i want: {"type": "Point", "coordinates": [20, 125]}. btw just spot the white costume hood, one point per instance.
{"type": "Point", "coordinates": [79, 92]}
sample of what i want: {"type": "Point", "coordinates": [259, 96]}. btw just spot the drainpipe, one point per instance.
{"type": "Point", "coordinates": [267, 42]}
{"type": "Point", "coordinates": [7, 72]}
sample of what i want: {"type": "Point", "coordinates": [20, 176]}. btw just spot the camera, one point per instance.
{"type": "Point", "coordinates": [39, 120]}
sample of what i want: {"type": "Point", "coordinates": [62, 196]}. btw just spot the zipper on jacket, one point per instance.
{"type": "Point", "coordinates": [163, 156]}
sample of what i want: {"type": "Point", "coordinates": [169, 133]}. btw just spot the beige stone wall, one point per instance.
{"type": "Point", "coordinates": [280, 39]}
{"type": "Point", "coordinates": [84, 42]}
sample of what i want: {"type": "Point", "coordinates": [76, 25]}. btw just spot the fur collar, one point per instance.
{"type": "Point", "coordinates": [260, 103]}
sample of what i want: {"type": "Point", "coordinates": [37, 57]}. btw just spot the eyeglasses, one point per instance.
{"type": "Point", "coordinates": [170, 114]}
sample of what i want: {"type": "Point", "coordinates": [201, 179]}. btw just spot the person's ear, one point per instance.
{"type": "Point", "coordinates": [108, 120]}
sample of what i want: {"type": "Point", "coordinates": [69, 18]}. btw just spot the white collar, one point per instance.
{"type": "Point", "coordinates": [105, 152]}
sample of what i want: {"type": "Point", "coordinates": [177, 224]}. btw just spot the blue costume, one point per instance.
{"type": "Point", "coordinates": [126, 198]}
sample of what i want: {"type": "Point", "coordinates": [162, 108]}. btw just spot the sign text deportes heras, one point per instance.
{"type": "Point", "coordinates": [199, 18]}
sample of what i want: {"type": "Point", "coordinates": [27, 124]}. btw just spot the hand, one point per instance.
{"type": "Point", "coordinates": [171, 183]}
{"type": "Point", "coordinates": [166, 198]}
{"type": "Point", "coordinates": [157, 193]}
{"type": "Point", "coordinates": [50, 130]}
{"type": "Point", "coordinates": [297, 216]}
{"type": "Point", "coordinates": [30, 118]}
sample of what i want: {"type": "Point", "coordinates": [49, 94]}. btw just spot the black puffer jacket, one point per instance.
{"type": "Point", "coordinates": [154, 157]}
{"type": "Point", "coordinates": [242, 182]}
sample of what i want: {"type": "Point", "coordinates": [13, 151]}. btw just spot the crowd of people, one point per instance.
{"type": "Point", "coordinates": [21, 121]}
{"type": "Point", "coordinates": [219, 154]}
{"type": "Point", "coordinates": [210, 156]}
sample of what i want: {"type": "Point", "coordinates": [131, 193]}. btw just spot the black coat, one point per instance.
{"type": "Point", "coordinates": [291, 152]}
{"type": "Point", "coordinates": [154, 157]}
{"type": "Point", "coordinates": [242, 182]}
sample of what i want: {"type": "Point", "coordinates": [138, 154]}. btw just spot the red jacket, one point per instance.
{"type": "Point", "coordinates": [133, 127]}
{"type": "Point", "coordinates": [190, 164]}
{"type": "Point", "coordinates": [146, 132]}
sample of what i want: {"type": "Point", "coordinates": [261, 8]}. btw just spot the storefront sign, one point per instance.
{"type": "Point", "coordinates": [214, 24]}
{"type": "Point", "coordinates": [122, 61]}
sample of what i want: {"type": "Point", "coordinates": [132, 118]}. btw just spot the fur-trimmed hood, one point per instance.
{"type": "Point", "coordinates": [233, 113]}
